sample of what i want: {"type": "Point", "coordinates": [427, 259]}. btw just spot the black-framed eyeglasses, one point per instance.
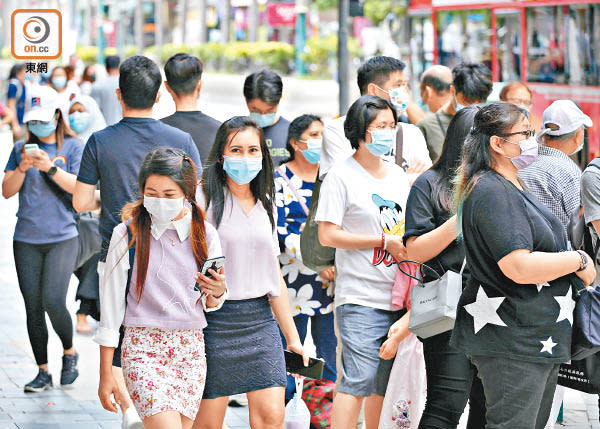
{"type": "Point", "coordinates": [526, 133]}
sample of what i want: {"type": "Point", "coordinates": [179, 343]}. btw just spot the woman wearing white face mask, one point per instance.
{"type": "Point", "coordinates": [311, 293]}
{"type": "Point", "coordinates": [515, 315]}
{"type": "Point", "coordinates": [85, 117]}
{"type": "Point", "coordinates": [153, 263]}
{"type": "Point", "coordinates": [362, 216]}
{"type": "Point", "coordinates": [243, 346]}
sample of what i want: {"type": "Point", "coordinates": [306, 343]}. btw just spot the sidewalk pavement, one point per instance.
{"type": "Point", "coordinates": [78, 406]}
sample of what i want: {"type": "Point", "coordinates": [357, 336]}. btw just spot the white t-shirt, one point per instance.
{"type": "Point", "coordinates": [336, 147]}
{"type": "Point", "coordinates": [353, 199]}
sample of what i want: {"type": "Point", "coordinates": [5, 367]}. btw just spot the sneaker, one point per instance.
{"type": "Point", "coordinates": [239, 400]}
{"type": "Point", "coordinates": [131, 420]}
{"type": "Point", "coordinates": [42, 382]}
{"type": "Point", "coordinates": [69, 371]}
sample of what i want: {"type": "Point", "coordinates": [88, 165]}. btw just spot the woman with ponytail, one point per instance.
{"type": "Point", "coordinates": [167, 238]}
{"type": "Point", "coordinates": [515, 315]}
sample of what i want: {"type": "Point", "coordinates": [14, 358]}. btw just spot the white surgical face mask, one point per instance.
{"type": "Point", "coordinates": [163, 210]}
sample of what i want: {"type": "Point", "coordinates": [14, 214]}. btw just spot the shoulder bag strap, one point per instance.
{"type": "Point", "coordinates": [281, 171]}
{"type": "Point", "coordinates": [439, 121]}
{"type": "Point", "coordinates": [463, 266]}
{"type": "Point", "coordinates": [131, 261]}
{"type": "Point", "coordinates": [399, 144]}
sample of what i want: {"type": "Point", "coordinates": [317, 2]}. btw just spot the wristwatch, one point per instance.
{"type": "Point", "coordinates": [52, 171]}
{"type": "Point", "coordinates": [584, 261]}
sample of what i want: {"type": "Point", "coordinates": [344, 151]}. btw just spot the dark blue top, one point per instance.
{"type": "Point", "coordinates": [17, 90]}
{"type": "Point", "coordinates": [276, 140]}
{"type": "Point", "coordinates": [114, 156]}
{"type": "Point", "coordinates": [42, 217]}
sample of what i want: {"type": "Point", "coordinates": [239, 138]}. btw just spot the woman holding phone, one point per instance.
{"type": "Point", "coordinates": [243, 348]}
{"type": "Point", "coordinates": [155, 299]}
{"type": "Point", "coordinates": [42, 170]}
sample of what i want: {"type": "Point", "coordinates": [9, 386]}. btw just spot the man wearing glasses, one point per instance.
{"type": "Point", "coordinates": [518, 93]}
{"type": "Point", "coordinates": [554, 178]}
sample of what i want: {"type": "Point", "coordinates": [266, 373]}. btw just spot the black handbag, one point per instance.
{"type": "Point", "coordinates": [88, 224]}
{"type": "Point", "coordinates": [586, 320]}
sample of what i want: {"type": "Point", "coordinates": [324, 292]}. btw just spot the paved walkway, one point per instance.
{"type": "Point", "coordinates": [78, 407]}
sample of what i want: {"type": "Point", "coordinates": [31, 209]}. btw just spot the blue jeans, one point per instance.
{"type": "Point", "coordinates": [325, 341]}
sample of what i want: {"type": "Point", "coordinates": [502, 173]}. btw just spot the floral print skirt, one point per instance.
{"type": "Point", "coordinates": [164, 369]}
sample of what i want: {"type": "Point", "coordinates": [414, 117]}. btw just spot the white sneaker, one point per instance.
{"type": "Point", "coordinates": [131, 420]}
{"type": "Point", "coordinates": [239, 400]}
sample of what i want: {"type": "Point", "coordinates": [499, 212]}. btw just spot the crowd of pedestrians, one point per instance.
{"type": "Point", "coordinates": [186, 235]}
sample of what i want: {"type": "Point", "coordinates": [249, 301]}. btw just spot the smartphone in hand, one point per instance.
{"type": "Point", "coordinates": [32, 149]}
{"type": "Point", "coordinates": [210, 264]}
{"type": "Point", "coordinates": [294, 365]}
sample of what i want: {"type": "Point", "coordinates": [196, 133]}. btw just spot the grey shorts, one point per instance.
{"type": "Point", "coordinates": [362, 330]}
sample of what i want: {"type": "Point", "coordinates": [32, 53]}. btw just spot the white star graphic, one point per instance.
{"type": "Point", "coordinates": [548, 345]}
{"type": "Point", "coordinates": [541, 285]}
{"type": "Point", "coordinates": [484, 310]}
{"type": "Point", "coordinates": [567, 305]}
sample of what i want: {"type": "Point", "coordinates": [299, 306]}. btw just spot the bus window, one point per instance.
{"type": "Point", "coordinates": [508, 43]}
{"type": "Point", "coordinates": [464, 36]}
{"type": "Point", "coordinates": [563, 44]}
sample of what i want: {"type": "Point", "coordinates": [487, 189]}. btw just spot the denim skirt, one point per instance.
{"type": "Point", "coordinates": [244, 352]}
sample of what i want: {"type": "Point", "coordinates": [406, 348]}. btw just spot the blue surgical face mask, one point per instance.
{"type": "Point", "coordinates": [79, 121]}
{"type": "Point", "coordinates": [59, 82]}
{"type": "Point", "coordinates": [263, 120]}
{"type": "Point", "coordinates": [313, 152]}
{"type": "Point", "coordinates": [46, 74]}
{"type": "Point", "coordinates": [242, 170]}
{"type": "Point", "coordinates": [42, 129]}
{"type": "Point", "coordinates": [382, 141]}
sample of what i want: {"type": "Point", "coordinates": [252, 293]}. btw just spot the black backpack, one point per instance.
{"type": "Point", "coordinates": [578, 230]}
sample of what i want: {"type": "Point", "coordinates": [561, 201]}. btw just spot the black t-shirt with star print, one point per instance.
{"type": "Point", "coordinates": [496, 316]}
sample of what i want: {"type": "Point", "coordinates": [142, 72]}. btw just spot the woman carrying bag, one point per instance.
{"type": "Point", "coordinates": [515, 315]}
{"type": "Point", "coordinates": [244, 352]}
{"type": "Point", "coordinates": [431, 238]}
{"type": "Point", "coordinates": [311, 293]}
{"type": "Point", "coordinates": [361, 214]}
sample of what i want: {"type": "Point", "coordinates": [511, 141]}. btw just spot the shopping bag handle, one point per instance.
{"type": "Point", "coordinates": [420, 265]}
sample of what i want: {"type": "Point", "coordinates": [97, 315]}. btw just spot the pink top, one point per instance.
{"type": "Point", "coordinates": [251, 249]}
{"type": "Point", "coordinates": [169, 300]}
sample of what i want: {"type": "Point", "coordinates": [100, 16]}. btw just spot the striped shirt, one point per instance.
{"type": "Point", "coordinates": [555, 180]}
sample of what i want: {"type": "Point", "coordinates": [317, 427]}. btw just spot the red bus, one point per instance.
{"type": "Point", "coordinates": [551, 45]}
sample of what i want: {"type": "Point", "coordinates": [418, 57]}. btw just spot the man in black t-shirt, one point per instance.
{"type": "Point", "coordinates": [262, 91]}
{"type": "Point", "coordinates": [184, 82]}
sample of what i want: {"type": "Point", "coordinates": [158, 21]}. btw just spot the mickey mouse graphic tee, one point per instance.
{"type": "Point", "coordinates": [359, 203]}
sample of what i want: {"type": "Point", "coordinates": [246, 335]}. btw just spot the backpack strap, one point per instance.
{"type": "Point", "coordinates": [399, 144]}
{"type": "Point", "coordinates": [117, 354]}
{"type": "Point", "coordinates": [131, 261]}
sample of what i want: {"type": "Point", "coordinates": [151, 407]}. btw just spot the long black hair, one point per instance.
{"type": "Point", "coordinates": [495, 119]}
{"type": "Point", "coordinates": [214, 178]}
{"type": "Point", "coordinates": [176, 165]}
{"type": "Point", "coordinates": [61, 131]}
{"type": "Point", "coordinates": [297, 127]}
{"type": "Point", "coordinates": [449, 160]}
